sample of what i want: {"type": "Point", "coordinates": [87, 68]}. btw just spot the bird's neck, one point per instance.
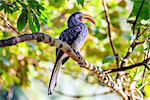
{"type": "Point", "coordinates": [74, 24]}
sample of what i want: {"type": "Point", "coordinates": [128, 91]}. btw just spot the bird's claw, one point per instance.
{"type": "Point", "coordinates": [76, 52]}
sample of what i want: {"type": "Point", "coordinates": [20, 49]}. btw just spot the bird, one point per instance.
{"type": "Point", "coordinates": [75, 36]}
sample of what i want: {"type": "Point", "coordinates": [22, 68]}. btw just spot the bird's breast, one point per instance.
{"type": "Point", "coordinates": [78, 43]}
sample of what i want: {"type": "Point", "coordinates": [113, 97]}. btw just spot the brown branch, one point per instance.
{"type": "Point", "coordinates": [127, 67]}
{"type": "Point", "coordinates": [109, 31]}
{"type": "Point", "coordinates": [144, 72]}
{"type": "Point", "coordinates": [143, 31]}
{"type": "Point", "coordinates": [143, 76]}
{"type": "Point", "coordinates": [41, 37]}
{"type": "Point", "coordinates": [130, 50]}
{"type": "Point", "coordinates": [141, 87]}
{"type": "Point", "coordinates": [10, 25]}
{"type": "Point", "coordinates": [132, 46]}
{"type": "Point", "coordinates": [82, 96]}
{"type": "Point", "coordinates": [138, 13]}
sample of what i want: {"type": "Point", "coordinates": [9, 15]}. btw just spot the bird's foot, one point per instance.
{"type": "Point", "coordinates": [76, 52]}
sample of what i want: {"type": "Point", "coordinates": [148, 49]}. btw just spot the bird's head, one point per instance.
{"type": "Point", "coordinates": [78, 17]}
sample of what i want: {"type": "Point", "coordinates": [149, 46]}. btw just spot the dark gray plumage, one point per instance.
{"type": "Point", "coordinates": [74, 36]}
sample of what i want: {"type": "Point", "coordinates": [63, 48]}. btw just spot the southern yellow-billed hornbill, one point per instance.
{"type": "Point", "coordinates": [74, 36]}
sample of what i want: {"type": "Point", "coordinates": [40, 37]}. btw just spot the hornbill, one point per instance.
{"type": "Point", "coordinates": [74, 36]}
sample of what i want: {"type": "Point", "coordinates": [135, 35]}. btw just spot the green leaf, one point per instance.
{"type": "Point", "coordinates": [42, 16]}
{"type": "Point", "coordinates": [33, 23]}
{"type": "Point", "coordinates": [35, 19]}
{"type": "Point", "coordinates": [22, 4]}
{"type": "Point", "coordinates": [80, 2]}
{"type": "Point", "coordinates": [2, 6]}
{"type": "Point", "coordinates": [15, 8]}
{"type": "Point", "coordinates": [22, 21]}
{"type": "Point", "coordinates": [56, 0]}
{"type": "Point", "coordinates": [40, 7]}
{"type": "Point", "coordinates": [9, 10]}
{"type": "Point", "coordinates": [108, 59]}
{"type": "Point", "coordinates": [144, 11]}
{"type": "Point", "coordinates": [33, 4]}
{"type": "Point", "coordinates": [6, 9]}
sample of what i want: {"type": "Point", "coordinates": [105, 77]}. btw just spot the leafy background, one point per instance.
{"type": "Point", "coordinates": [25, 68]}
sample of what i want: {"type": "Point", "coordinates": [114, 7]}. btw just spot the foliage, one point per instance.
{"type": "Point", "coordinates": [145, 8]}
{"type": "Point", "coordinates": [30, 11]}
{"type": "Point", "coordinates": [80, 2]}
{"type": "Point", "coordinates": [26, 61]}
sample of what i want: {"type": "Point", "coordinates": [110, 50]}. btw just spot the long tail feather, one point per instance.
{"type": "Point", "coordinates": [53, 80]}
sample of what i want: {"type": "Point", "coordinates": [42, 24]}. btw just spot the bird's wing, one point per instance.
{"type": "Point", "coordinates": [68, 36]}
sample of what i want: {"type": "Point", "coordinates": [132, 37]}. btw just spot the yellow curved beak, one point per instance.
{"type": "Point", "coordinates": [88, 17]}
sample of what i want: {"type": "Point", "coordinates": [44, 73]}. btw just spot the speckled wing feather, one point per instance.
{"type": "Point", "coordinates": [69, 36]}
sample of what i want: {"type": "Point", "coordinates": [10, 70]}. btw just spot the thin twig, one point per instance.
{"type": "Point", "coordinates": [138, 13]}
{"type": "Point", "coordinates": [143, 76]}
{"type": "Point", "coordinates": [132, 46]}
{"type": "Point", "coordinates": [109, 31]}
{"type": "Point", "coordinates": [82, 96]}
{"type": "Point", "coordinates": [143, 31]}
{"type": "Point", "coordinates": [10, 25]}
{"type": "Point", "coordinates": [143, 85]}
{"type": "Point", "coordinates": [127, 67]}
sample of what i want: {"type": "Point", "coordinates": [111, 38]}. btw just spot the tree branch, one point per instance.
{"type": "Point", "coordinates": [10, 25]}
{"type": "Point", "coordinates": [143, 76]}
{"type": "Point", "coordinates": [41, 37]}
{"type": "Point", "coordinates": [109, 31]}
{"type": "Point", "coordinates": [138, 13]}
{"type": "Point", "coordinates": [143, 31]}
{"type": "Point", "coordinates": [132, 46]}
{"type": "Point", "coordinates": [127, 67]}
{"type": "Point", "coordinates": [130, 50]}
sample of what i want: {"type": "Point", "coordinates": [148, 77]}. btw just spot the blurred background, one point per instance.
{"type": "Point", "coordinates": [26, 67]}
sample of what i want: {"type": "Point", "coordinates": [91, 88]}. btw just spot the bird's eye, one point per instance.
{"type": "Point", "coordinates": [80, 18]}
